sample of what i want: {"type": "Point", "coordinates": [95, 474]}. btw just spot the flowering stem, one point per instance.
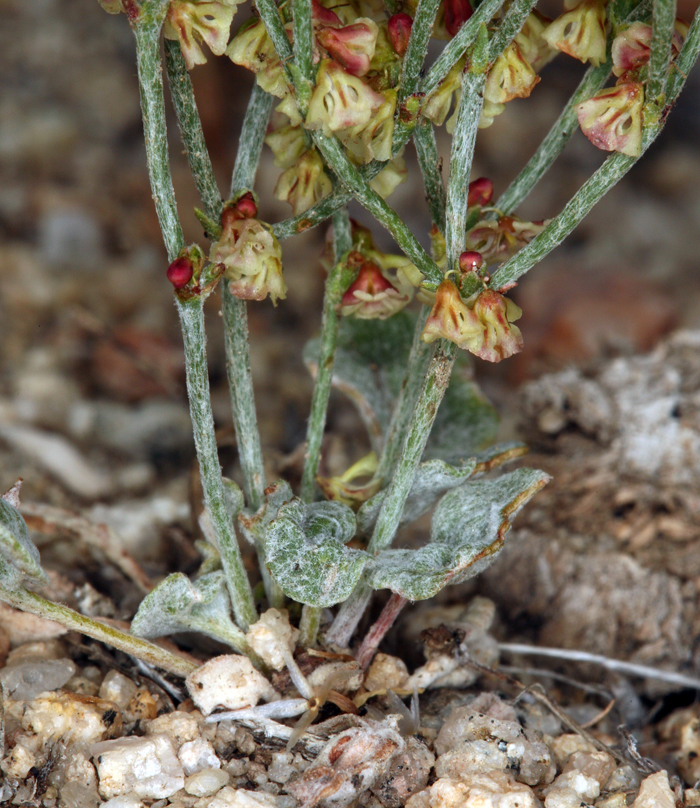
{"type": "Point", "coordinates": [190, 125]}
{"type": "Point", "coordinates": [513, 20]}
{"type": "Point", "coordinates": [147, 651]}
{"type": "Point", "coordinates": [303, 45]}
{"type": "Point", "coordinates": [457, 47]}
{"type": "Point", "coordinates": [554, 142]}
{"type": "Point", "coordinates": [376, 634]}
{"type": "Point", "coordinates": [337, 284]}
{"type": "Point", "coordinates": [685, 61]}
{"type": "Point", "coordinates": [347, 173]}
{"type": "Point", "coordinates": [146, 28]}
{"type": "Point", "coordinates": [417, 49]}
{"type": "Point", "coordinates": [431, 169]}
{"type": "Point", "coordinates": [192, 320]}
{"type": "Point", "coordinates": [269, 14]}
{"type": "Point", "coordinates": [463, 142]}
{"type": "Point", "coordinates": [251, 141]}
{"type": "Point", "coordinates": [663, 20]}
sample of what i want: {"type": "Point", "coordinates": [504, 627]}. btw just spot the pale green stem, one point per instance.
{"type": "Point", "coordinates": [147, 651]}
{"type": "Point", "coordinates": [417, 49]}
{"type": "Point", "coordinates": [463, 142]}
{"type": "Point", "coordinates": [192, 320]}
{"type": "Point", "coordinates": [190, 125]}
{"type": "Point", "coordinates": [663, 20]}
{"type": "Point", "coordinates": [303, 46]}
{"type": "Point", "coordinates": [336, 286]}
{"type": "Point", "coordinates": [347, 173]}
{"type": "Point", "coordinates": [251, 141]}
{"type": "Point", "coordinates": [431, 169]}
{"type": "Point", "coordinates": [458, 45]}
{"type": "Point", "coordinates": [269, 14]}
{"type": "Point", "coordinates": [513, 20]}
{"type": "Point", "coordinates": [685, 61]}
{"type": "Point", "coordinates": [147, 33]}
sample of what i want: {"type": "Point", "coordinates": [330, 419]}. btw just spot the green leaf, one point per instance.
{"type": "Point", "coordinates": [467, 532]}
{"type": "Point", "coordinates": [306, 552]}
{"type": "Point", "coordinates": [432, 480]}
{"type": "Point", "coordinates": [370, 364]}
{"type": "Point", "coordinates": [254, 525]}
{"type": "Point", "coordinates": [15, 545]}
{"type": "Point", "coordinates": [178, 604]}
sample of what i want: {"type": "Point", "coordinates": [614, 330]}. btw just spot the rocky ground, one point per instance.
{"type": "Point", "coordinates": [93, 417]}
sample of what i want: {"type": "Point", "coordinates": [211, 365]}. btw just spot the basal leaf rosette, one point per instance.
{"type": "Point", "coordinates": [306, 552]}
{"type": "Point", "coordinates": [467, 532]}
{"type": "Point", "coordinates": [193, 22]}
{"type": "Point", "coordinates": [612, 120]}
{"type": "Point", "coordinates": [251, 257]}
{"type": "Point", "coordinates": [486, 329]}
{"type": "Point", "coordinates": [580, 32]}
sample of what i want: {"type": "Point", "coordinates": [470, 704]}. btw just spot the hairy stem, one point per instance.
{"type": "Point", "coordinates": [417, 49]}
{"type": "Point", "coordinates": [431, 169]}
{"type": "Point", "coordinates": [190, 126]}
{"type": "Point", "coordinates": [303, 44]}
{"type": "Point", "coordinates": [146, 30]}
{"type": "Point", "coordinates": [192, 321]}
{"type": "Point", "coordinates": [147, 651]}
{"type": "Point", "coordinates": [251, 141]}
{"type": "Point", "coordinates": [376, 634]}
{"type": "Point", "coordinates": [663, 20]}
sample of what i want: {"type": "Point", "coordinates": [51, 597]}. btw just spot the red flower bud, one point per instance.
{"type": "Point", "coordinates": [480, 192]}
{"type": "Point", "coordinates": [180, 272]}
{"type": "Point", "coordinates": [324, 15]}
{"type": "Point", "coordinates": [457, 12]}
{"type": "Point", "coordinates": [245, 207]}
{"type": "Point", "coordinates": [470, 261]}
{"type": "Point", "coordinates": [399, 32]}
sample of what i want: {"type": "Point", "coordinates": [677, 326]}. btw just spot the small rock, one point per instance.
{"type": "Point", "coordinates": [206, 782]}
{"type": "Point", "coordinates": [386, 671]}
{"type": "Point", "coordinates": [77, 795]}
{"type": "Point", "coordinates": [273, 638]}
{"type": "Point", "coordinates": [146, 766]}
{"type": "Point", "coordinates": [117, 688]}
{"type": "Point", "coordinates": [692, 797]}
{"type": "Point", "coordinates": [598, 765]}
{"type": "Point", "coordinates": [492, 790]}
{"type": "Point", "coordinates": [689, 758]}
{"type": "Point", "coordinates": [69, 717]}
{"type": "Point", "coordinates": [238, 798]}
{"type": "Point", "coordinates": [565, 745]}
{"type": "Point", "coordinates": [408, 775]}
{"type": "Point", "coordinates": [585, 788]}
{"type": "Point", "coordinates": [17, 763]}
{"type": "Point", "coordinates": [180, 727]}
{"type": "Point", "coordinates": [197, 755]}
{"type": "Point", "coordinates": [282, 767]}
{"type": "Point", "coordinates": [655, 792]}
{"type": "Point", "coordinates": [617, 800]}
{"type": "Point", "coordinates": [228, 681]}
{"type": "Point", "coordinates": [25, 681]}
{"type": "Point", "coordinates": [129, 800]}
{"type": "Point", "coordinates": [624, 778]}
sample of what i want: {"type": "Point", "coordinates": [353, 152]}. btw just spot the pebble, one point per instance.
{"type": "Point", "coordinates": [198, 755]}
{"type": "Point", "coordinates": [230, 682]}
{"type": "Point", "coordinates": [598, 765]}
{"type": "Point", "coordinates": [117, 688]}
{"type": "Point", "coordinates": [25, 681]}
{"type": "Point", "coordinates": [179, 726]}
{"type": "Point", "coordinates": [491, 790]}
{"type": "Point", "coordinates": [76, 795]}
{"type": "Point", "coordinates": [273, 638]}
{"type": "Point", "coordinates": [386, 671]}
{"type": "Point", "coordinates": [129, 800]}
{"type": "Point", "coordinates": [408, 775]}
{"type": "Point", "coordinates": [565, 745]}
{"type": "Point", "coordinates": [281, 768]}
{"type": "Point", "coordinates": [655, 792]}
{"type": "Point", "coordinates": [18, 762]}
{"type": "Point", "coordinates": [238, 798]}
{"type": "Point", "coordinates": [146, 766]}
{"type": "Point", "coordinates": [72, 718]}
{"type": "Point", "coordinates": [206, 782]}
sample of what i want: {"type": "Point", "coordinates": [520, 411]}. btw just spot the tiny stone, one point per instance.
{"type": "Point", "coordinates": [18, 762]}
{"type": "Point", "coordinates": [563, 798]}
{"type": "Point", "coordinates": [598, 765]}
{"type": "Point", "coordinates": [655, 792]}
{"type": "Point", "coordinates": [117, 688]}
{"type": "Point", "coordinates": [257, 773]}
{"type": "Point", "coordinates": [228, 681]}
{"type": "Point", "coordinates": [386, 671]}
{"type": "Point", "coordinates": [624, 778]}
{"type": "Point", "coordinates": [236, 766]}
{"type": "Point", "coordinates": [146, 766]}
{"type": "Point", "coordinates": [692, 797]}
{"type": "Point", "coordinates": [76, 795]}
{"type": "Point", "coordinates": [282, 767]}
{"type": "Point", "coordinates": [286, 801]}
{"type": "Point", "coordinates": [565, 745]}
{"type": "Point", "coordinates": [129, 800]}
{"type": "Point", "coordinates": [26, 681]}
{"type": "Point", "coordinates": [206, 782]}
{"type": "Point", "coordinates": [178, 726]}
{"type": "Point", "coordinates": [237, 798]}
{"type": "Point", "coordinates": [471, 757]}
{"type": "Point", "coordinates": [617, 800]}
{"type": "Point", "coordinates": [198, 755]}
{"type": "Point", "coordinates": [63, 715]}
{"type": "Point", "coordinates": [587, 788]}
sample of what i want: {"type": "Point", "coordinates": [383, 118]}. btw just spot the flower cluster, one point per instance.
{"type": "Point", "coordinates": [384, 283]}
{"type": "Point", "coordinates": [249, 253]}
{"type": "Point", "coordinates": [485, 328]}
{"type": "Point", "coordinates": [612, 120]}
{"type": "Point", "coordinates": [513, 75]}
{"type": "Point", "coordinates": [193, 22]}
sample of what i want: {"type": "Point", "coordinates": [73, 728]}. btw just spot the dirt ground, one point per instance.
{"type": "Point", "coordinates": [93, 412]}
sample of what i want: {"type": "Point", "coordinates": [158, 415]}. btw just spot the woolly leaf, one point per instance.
{"type": "Point", "coordinates": [370, 364]}
{"type": "Point", "coordinates": [467, 532]}
{"type": "Point", "coordinates": [254, 525]}
{"type": "Point", "coordinates": [15, 545]}
{"type": "Point", "coordinates": [178, 604]}
{"type": "Point", "coordinates": [306, 552]}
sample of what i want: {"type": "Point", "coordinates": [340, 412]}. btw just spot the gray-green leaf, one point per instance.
{"type": "Point", "coordinates": [178, 604]}
{"type": "Point", "coordinates": [16, 546]}
{"type": "Point", "coordinates": [306, 552]}
{"type": "Point", "coordinates": [468, 531]}
{"type": "Point", "coordinates": [254, 525]}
